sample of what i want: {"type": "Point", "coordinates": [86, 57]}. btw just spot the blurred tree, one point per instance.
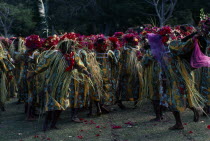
{"type": "Point", "coordinates": [98, 16]}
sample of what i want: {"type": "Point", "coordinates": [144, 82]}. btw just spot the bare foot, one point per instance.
{"type": "Point", "coordinates": [77, 120]}
{"type": "Point", "coordinates": [156, 120]}
{"type": "Point", "coordinates": [176, 127]}
{"type": "Point", "coordinates": [54, 128]}
{"type": "Point", "coordinates": [30, 119]}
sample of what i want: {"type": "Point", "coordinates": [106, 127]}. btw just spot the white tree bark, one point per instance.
{"type": "Point", "coordinates": [6, 20]}
{"type": "Point", "coordinates": [43, 17]}
{"type": "Point", "coordinates": [164, 9]}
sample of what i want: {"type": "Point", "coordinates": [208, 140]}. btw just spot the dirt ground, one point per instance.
{"type": "Point", "coordinates": [119, 125]}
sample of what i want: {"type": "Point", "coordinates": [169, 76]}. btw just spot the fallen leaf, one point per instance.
{"type": "Point", "coordinates": [92, 122]}
{"type": "Point", "coordinates": [129, 123]}
{"type": "Point", "coordinates": [190, 132]}
{"type": "Point", "coordinates": [81, 119]}
{"type": "Point", "coordinates": [116, 127]}
{"type": "Point", "coordinates": [36, 136]}
{"type": "Point", "coordinates": [97, 135]}
{"type": "Point", "coordinates": [80, 137]}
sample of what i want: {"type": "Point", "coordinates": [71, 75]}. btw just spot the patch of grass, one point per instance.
{"type": "Point", "coordinates": [13, 126]}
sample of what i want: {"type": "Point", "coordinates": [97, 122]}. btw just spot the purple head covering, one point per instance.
{"type": "Point", "coordinates": [198, 59]}
{"type": "Point", "coordinates": [157, 46]}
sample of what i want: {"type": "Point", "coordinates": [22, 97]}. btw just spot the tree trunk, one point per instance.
{"type": "Point", "coordinates": [5, 32]}
{"type": "Point", "coordinates": [43, 19]}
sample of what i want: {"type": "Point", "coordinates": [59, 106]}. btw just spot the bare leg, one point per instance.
{"type": "Point", "coordinates": [48, 118]}
{"type": "Point", "coordinates": [196, 114]}
{"type": "Point", "coordinates": [55, 116]}
{"type": "Point", "coordinates": [99, 112]}
{"type": "Point", "coordinates": [157, 110]}
{"type": "Point", "coordinates": [90, 109]}
{"type": "Point", "coordinates": [178, 125]}
{"type": "Point", "coordinates": [74, 115]}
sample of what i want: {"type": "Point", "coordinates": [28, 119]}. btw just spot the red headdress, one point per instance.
{"type": "Point", "coordinates": [165, 32]}
{"type": "Point", "coordinates": [100, 44]}
{"type": "Point", "coordinates": [72, 36]}
{"type": "Point", "coordinates": [118, 34]}
{"type": "Point", "coordinates": [131, 39]}
{"type": "Point", "coordinates": [33, 42]}
{"type": "Point", "coordinates": [115, 43]}
{"type": "Point", "coordinates": [51, 41]}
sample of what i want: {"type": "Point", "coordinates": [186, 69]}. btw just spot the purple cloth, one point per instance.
{"type": "Point", "coordinates": [198, 59]}
{"type": "Point", "coordinates": [156, 46]}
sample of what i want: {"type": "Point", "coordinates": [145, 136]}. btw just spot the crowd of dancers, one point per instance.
{"type": "Point", "coordinates": [167, 65]}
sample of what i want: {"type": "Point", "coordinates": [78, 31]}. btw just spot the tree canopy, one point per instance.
{"type": "Point", "coordinates": [93, 16]}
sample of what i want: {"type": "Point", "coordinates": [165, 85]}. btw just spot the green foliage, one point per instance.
{"type": "Point", "coordinates": [97, 16]}
{"type": "Point", "coordinates": [23, 25]}
{"type": "Point", "coordinates": [19, 17]}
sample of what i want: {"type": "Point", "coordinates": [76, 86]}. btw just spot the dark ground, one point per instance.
{"type": "Point", "coordinates": [13, 126]}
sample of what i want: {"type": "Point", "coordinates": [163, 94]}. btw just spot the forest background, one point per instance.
{"type": "Point", "coordinates": [48, 17]}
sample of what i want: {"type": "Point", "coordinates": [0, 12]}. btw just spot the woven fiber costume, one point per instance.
{"type": "Point", "coordinates": [130, 73]}
{"type": "Point", "coordinates": [59, 64]}
{"type": "Point", "coordinates": [6, 68]}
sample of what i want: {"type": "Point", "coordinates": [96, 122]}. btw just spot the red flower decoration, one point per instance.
{"type": "Point", "coordinates": [71, 36]}
{"type": "Point", "coordinates": [100, 44]}
{"type": "Point", "coordinates": [98, 126]}
{"type": "Point", "coordinates": [185, 123]}
{"type": "Point", "coordinates": [129, 123]}
{"type": "Point", "coordinates": [115, 43]}
{"type": "Point", "coordinates": [92, 122]}
{"type": "Point", "coordinates": [130, 39]}
{"type": "Point", "coordinates": [165, 30]}
{"type": "Point", "coordinates": [190, 132]}
{"type": "Point", "coordinates": [165, 39]}
{"type": "Point", "coordinates": [71, 61]}
{"type": "Point", "coordinates": [116, 127]}
{"type": "Point", "coordinates": [51, 41]}
{"type": "Point", "coordinates": [36, 136]}
{"type": "Point", "coordinates": [97, 135]}
{"type": "Point", "coordinates": [208, 126]}
{"type": "Point", "coordinates": [33, 42]}
{"type": "Point", "coordinates": [48, 139]}
{"type": "Point", "coordinates": [80, 137]}
{"type": "Point", "coordinates": [82, 119]}
{"type": "Point", "coordinates": [118, 34]}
